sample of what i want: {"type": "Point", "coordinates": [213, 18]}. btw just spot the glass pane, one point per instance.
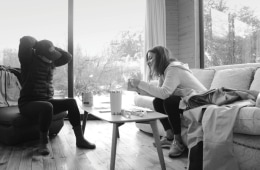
{"type": "Point", "coordinates": [108, 43]}
{"type": "Point", "coordinates": [231, 32]}
{"type": "Point", "coordinates": [46, 19]}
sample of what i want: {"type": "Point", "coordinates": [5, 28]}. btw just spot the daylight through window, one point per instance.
{"type": "Point", "coordinates": [108, 44]}
{"type": "Point", "coordinates": [231, 32]}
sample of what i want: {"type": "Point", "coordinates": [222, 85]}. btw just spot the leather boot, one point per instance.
{"type": "Point", "coordinates": [43, 149]}
{"type": "Point", "coordinates": [81, 142]}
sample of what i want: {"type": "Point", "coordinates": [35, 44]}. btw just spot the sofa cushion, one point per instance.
{"type": "Point", "coordinates": [247, 151]}
{"type": "Point", "coordinates": [248, 121]}
{"type": "Point", "coordinates": [144, 101]}
{"type": "Point", "coordinates": [205, 76]}
{"type": "Point", "coordinates": [237, 78]}
{"type": "Point", "coordinates": [255, 85]}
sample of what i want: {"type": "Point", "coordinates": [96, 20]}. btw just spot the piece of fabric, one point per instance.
{"type": "Point", "coordinates": [9, 88]}
{"type": "Point", "coordinates": [213, 126]}
{"type": "Point", "coordinates": [217, 126]}
{"type": "Point", "coordinates": [218, 97]}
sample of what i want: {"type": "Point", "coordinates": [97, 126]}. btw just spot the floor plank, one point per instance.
{"type": "Point", "coordinates": [5, 152]}
{"type": "Point", "coordinates": [135, 151]}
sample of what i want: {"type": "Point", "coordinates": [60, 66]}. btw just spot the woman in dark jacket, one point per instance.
{"type": "Point", "coordinates": [38, 60]}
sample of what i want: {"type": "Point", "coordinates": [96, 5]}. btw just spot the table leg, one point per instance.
{"type": "Point", "coordinates": [84, 121]}
{"type": "Point", "coordinates": [158, 144]}
{"type": "Point", "coordinates": [118, 124]}
{"type": "Point", "coordinates": [113, 149]}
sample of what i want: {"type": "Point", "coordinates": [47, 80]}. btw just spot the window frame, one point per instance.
{"type": "Point", "coordinates": [201, 34]}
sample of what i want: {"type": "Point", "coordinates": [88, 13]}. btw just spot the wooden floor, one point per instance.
{"type": "Point", "coordinates": [135, 151]}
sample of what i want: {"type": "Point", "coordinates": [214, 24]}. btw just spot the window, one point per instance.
{"type": "Point", "coordinates": [46, 19]}
{"type": "Point", "coordinates": [108, 44]}
{"type": "Point", "coordinates": [231, 32]}
{"type": "Point", "coordinates": [108, 39]}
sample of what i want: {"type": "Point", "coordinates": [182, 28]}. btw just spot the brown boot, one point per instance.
{"type": "Point", "coordinates": [81, 142]}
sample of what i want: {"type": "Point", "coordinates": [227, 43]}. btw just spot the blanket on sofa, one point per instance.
{"type": "Point", "coordinates": [219, 96]}
{"type": "Point", "coordinates": [211, 116]}
{"type": "Point", "coordinates": [213, 125]}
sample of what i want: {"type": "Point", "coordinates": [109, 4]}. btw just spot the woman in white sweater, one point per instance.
{"type": "Point", "coordinates": [175, 79]}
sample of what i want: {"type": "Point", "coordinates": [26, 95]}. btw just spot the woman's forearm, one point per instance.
{"type": "Point", "coordinates": [64, 59]}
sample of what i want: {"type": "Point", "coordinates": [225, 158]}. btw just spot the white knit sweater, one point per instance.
{"type": "Point", "coordinates": [177, 78]}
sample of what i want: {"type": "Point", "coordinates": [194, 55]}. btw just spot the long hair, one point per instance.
{"type": "Point", "coordinates": [161, 61]}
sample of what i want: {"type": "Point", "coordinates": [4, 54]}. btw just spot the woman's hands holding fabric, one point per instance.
{"type": "Point", "coordinates": [133, 86]}
{"type": "Point", "coordinates": [134, 82]}
{"type": "Point", "coordinates": [142, 92]}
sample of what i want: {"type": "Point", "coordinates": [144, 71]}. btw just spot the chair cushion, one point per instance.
{"type": "Point", "coordinates": [255, 85]}
{"type": "Point", "coordinates": [11, 116]}
{"type": "Point", "coordinates": [8, 115]}
{"type": "Point", "coordinates": [205, 76]}
{"type": "Point", "coordinates": [22, 121]}
{"type": "Point", "coordinates": [236, 78]}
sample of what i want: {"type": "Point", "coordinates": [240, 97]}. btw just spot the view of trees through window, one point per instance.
{"type": "Point", "coordinates": [38, 19]}
{"type": "Point", "coordinates": [120, 60]}
{"type": "Point", "coordinates": [231, 32]}
{"type": "Point", "coordinates": [108, 39]}
{"type": "Point", "coordinates": [109, 44]}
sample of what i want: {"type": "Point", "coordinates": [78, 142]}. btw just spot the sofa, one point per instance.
{"type": "Point", "coordinates": [15, 128]}
{"type": "Point", "coordinates": [246, 131]}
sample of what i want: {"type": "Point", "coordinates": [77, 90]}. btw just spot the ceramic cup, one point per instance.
{"type": "Point", "coordinates": [87, 99]}
{"type": "Point", "coordinates": [116, 102]}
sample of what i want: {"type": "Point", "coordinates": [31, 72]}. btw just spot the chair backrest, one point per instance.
{"type": "Point", "coordinates": [9, 86]}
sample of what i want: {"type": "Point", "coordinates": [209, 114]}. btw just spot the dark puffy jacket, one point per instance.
{"type": "Point", "coordinates": [36, 75]}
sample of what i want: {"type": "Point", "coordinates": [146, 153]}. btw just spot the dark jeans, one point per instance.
{"type": "Point", "coordinates": [43, 111]}
{"type": "Point", "coordinates": [169, 106]}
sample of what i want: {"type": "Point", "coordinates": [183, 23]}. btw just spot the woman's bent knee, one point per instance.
{"type": "Point", "coordinates": [172, 100]}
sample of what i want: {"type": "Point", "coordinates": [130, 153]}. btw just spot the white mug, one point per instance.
{"type": "Point", "coordinates": [116, 102]}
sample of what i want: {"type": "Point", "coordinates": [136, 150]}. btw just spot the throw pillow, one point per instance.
{"type": "Point", "coordinates": [236, 78]}
{"type": "Point", "coordinates": [256, 82]}
{"type": "Point", "coordinates": [205, 76]}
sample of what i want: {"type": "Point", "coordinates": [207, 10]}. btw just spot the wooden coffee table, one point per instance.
{"type": "Point", "coordinates": [118, 120]}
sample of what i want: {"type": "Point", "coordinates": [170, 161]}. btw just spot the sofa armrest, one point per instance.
{"type": "Point", "coordinates": [144, 101]}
